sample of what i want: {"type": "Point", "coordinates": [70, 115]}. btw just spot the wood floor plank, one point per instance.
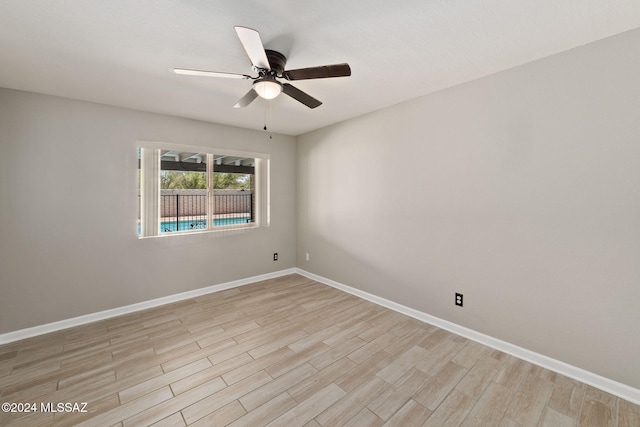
{"type": "Point", "coordinates": [6, 367]}
{"type": "Point", "coordinates": [370, 367]}
{"type": "Point", "coordinates": [314, 338]}
{"type": "Point", "coordinates": [297, 358]}
{"type": "Point", "coordinates": [512, 372]}
{"type": "Point", "coordinates": [234, 328]}
{"type": "Point", "coordinates": [411, 414]}
{"type": "Point", "coordinates": [402, 364]}
{"type": "Point", "coordinates": [439, 356]}
{"type": "Point", "coordinates": [40, 419]}
{"type": "Point", "coordinates": [566, 397]}
{"type": "Point", "coordinates": [335, 353]}
{"type": "Point", "coordinates": [94, 389]}
{"type": "Point", "coordinates": [552, 418]}
{"type": "Point", "coordinates": [379, 329]}
{"type": "Point", "coordinates": [311, 385]}
{"type": "Point", "coordinates": [255, 365]}
{"type": "Point", "coordinates": [385, 405]}
{"type": "Point", "coordinates": [29, 393]}
{"type": "Point", "coordinates": [596, 413]}
{"type": "Point", "coordinates": [174, 405]}
{"type": "Point", "coordinates": [237, 349]}
{"type": "Point", "coordinates": [174, 420]}
{"type": "Point", "coordinates": [470, 354]}
{"type": "Point", "coordinates": [197, 354]}
{"type": "Point", "coordinates": [436, 388]}
{"type": "Point", "coordinates": [97, 407]}
{"type": "Point", "coordinates": [530, 400]}
{"type": "Point", "coordinates": [374, 346]}
{"type": "Point", "coordinates": [145, 387]}
{"type": "Point", "coordinates": [506, 422]}
{"type": "Point", "coordinates": [432, 339]}
{"type": "Point", "coordinates": [85, 371]}
{"type": "Point", "coordinates": [601, 396]}
{"type": "Point", "coordinates": [266, 412]}
{"type": "Point", "coordinates": [452, 411]}
{"type": "Point", "coordinates": [29, 377]}
{"type": "Point", "coordinates": [479, 376]}
{"type": "Point", "coordinates": [77, 357]}
{"type": "Point", "coordinates": [222, 416]}
{"type": "Point", "coordinates": [277, 343]}
{"type": "Point", "coordinates": [310, 408]}
{"type": "Point", "coordinates": [490, 408]}
{"type": "Point", "coordinates": [191, 381]}
{"type": "Point", "coordinates": [225, 396]}
{"type": "Point", "coordinates": [628, 414]}
{"type": "Point", "coordinates": [364, 418]}
{"type": "Point", "coordinates": [345, 334]}
{"type": "Point", "coordinates": [349, 405]}
{"type": "Point", "coordinates": [129, 409]}
{"type": "Point", "coordinates": [266, 392]}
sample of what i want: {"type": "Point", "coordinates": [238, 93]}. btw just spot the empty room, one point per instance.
{"type": "Point", "coordinates": [363, 213]}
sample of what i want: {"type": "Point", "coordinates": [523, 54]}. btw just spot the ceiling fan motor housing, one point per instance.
{"type": "Point", "coordinates": [277, 61]}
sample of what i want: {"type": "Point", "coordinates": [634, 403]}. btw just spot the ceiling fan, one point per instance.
{"type": "Point", "coordinates": [269, 65]}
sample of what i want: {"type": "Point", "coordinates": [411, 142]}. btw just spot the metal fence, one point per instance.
{"type": "Point", "coordinates": [182, 212]}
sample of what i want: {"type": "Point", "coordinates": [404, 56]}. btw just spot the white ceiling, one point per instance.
{"type": "Point", "coordinates": [121, 52]}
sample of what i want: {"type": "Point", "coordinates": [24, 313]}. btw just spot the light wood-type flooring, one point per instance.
{"type": "Point", "coordinates": [287, 352]}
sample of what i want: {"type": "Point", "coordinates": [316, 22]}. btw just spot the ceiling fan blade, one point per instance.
{"type": "Point", "coordinates": [210, 74]}
{"type": "Point", "coordinates": [300, 96]}
{"type": "Point", "coordinates": [321, 72]}
{"type": "Point", "coordinates": [246, 99]}
{"type": "Point", "coordinates": [252, 44]}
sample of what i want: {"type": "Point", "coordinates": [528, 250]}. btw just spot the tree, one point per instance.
{"type": "Point", "coordinates": [173, 180]}
{"type": "Point", "coordinates": [228, 181]}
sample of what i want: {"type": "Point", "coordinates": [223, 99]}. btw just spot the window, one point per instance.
{"type": "Point", "coordinates": [191, 189]}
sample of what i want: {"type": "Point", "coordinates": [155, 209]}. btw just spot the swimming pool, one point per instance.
{"type": "Point", "coordinates": [199, 224]}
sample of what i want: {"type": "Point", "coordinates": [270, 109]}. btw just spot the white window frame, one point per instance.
{"type": "Point", "coordinates": [150, 158]}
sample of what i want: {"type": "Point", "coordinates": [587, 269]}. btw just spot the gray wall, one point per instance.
{"type": "Point", "coordinates": [521, 190]}
{"type": "Point", "coordinates": [66, 251]}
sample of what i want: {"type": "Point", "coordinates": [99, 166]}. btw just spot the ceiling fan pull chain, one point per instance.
{"type": "Point", "coordinates": [265, 118]}
{"type": "Point", "coordinates": [270, 122]}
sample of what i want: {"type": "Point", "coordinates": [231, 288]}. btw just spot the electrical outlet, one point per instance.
{"type": "Point", "coordinates": [458, 299]}
{"type": "Point", "coordinates": [275, 256]}
{"type": "Point", "coordinates": [307, 256]}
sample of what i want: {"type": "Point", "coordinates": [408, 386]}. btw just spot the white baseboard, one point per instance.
{"type": "Point", "coordinates": [106, 314]}
{"type": "Point", "coordinates": [618, 389]}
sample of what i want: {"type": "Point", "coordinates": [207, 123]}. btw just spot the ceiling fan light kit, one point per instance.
{"type": "Point", "coordinates": [269, 65]}
{"type": "Point", "coordinates": [267, 88]}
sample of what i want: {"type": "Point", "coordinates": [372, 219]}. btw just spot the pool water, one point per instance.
{"type": "Point", "coordinates": [199, 224]}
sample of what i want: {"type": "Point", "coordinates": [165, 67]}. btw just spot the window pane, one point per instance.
{"type": "Point", "coordinates": [233, 190]}
{"type": "Point", "coordinates": [183, 191]}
